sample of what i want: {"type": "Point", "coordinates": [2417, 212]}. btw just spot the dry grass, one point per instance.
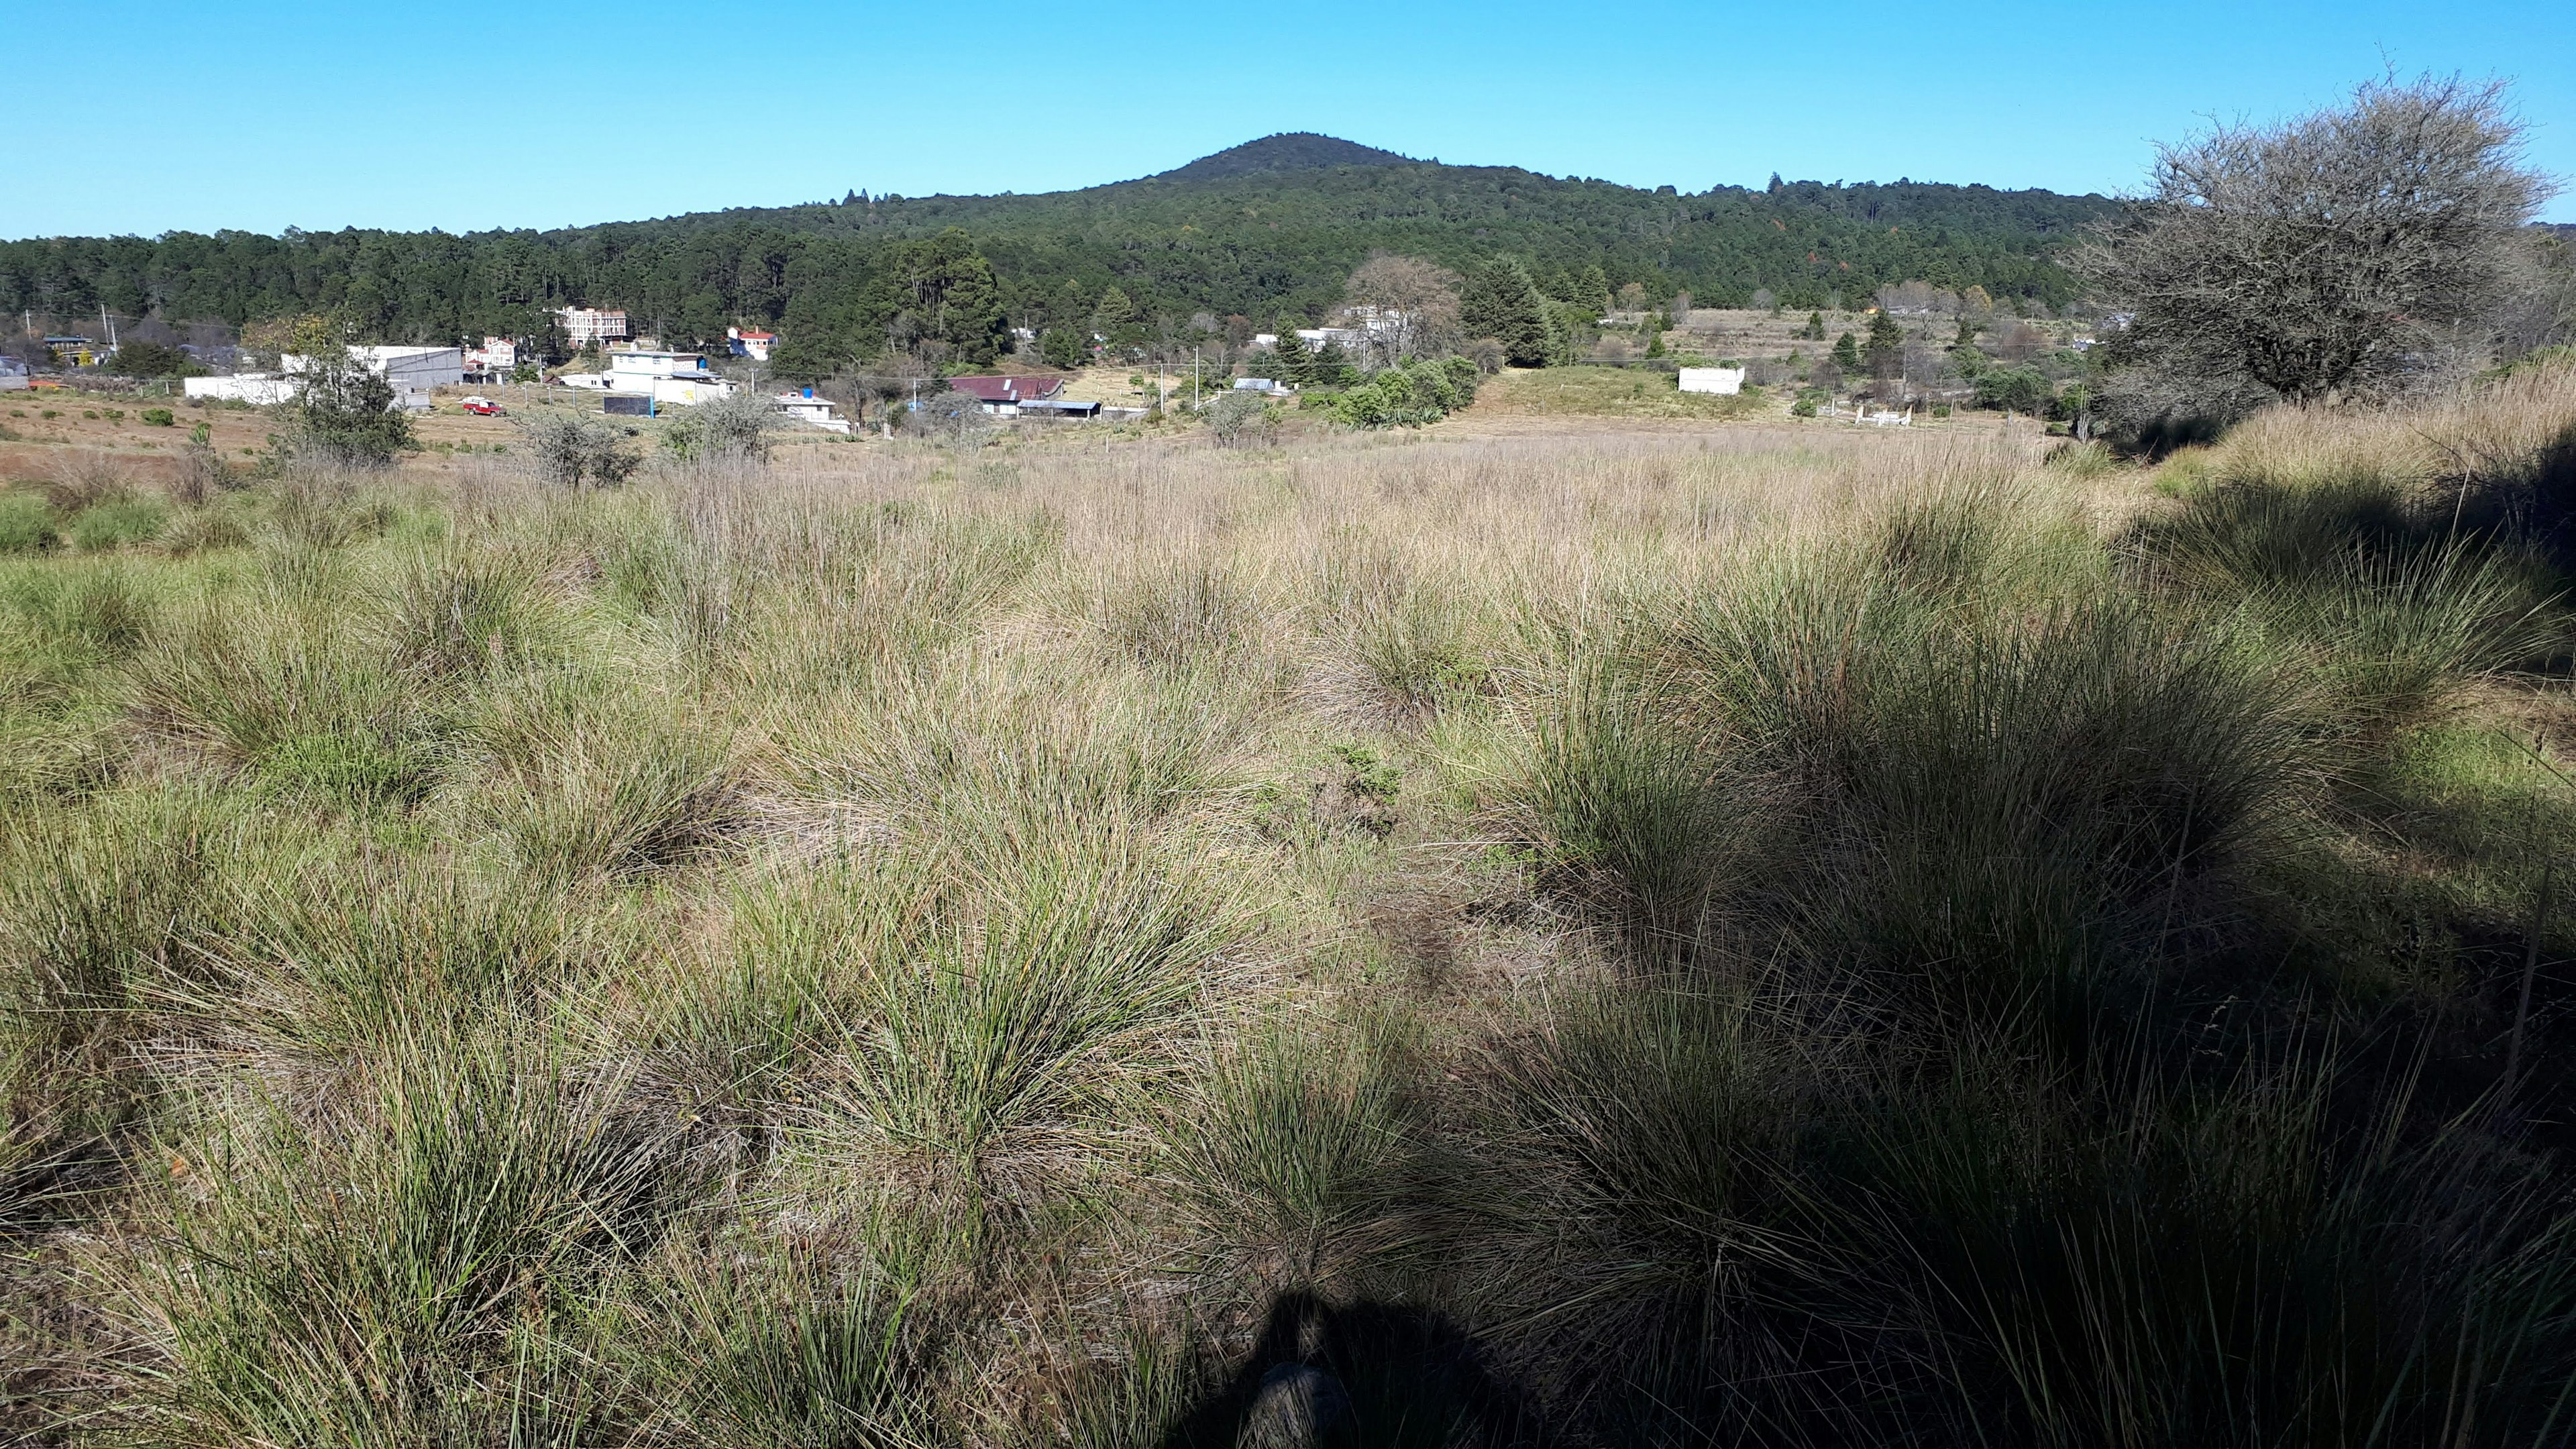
{"type": "Point", "coordinates": [1768, 934]}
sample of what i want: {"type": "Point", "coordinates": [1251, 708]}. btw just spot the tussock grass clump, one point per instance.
{"type": "Point", "coordinates": [385, 1267]}
{"type": "Point", "coordinates": [578, 792]}
{"type": "Point", "coordinates": [1302, 1166]}
{"type": "Point", "coordinates": [318, 969]}
{"type": "Point", "coordinates": [771, 1343]}
{"type": "Point", "coordinates": [99, 908]}
{"type": "Point", "coordinates": [999, 1015]}
{"type": "Point", "coordinates": [470, 613]}
{"type": "Point", "coordinates": [1172, 612]}
{"type": "Point", "coordinates": [289, 698]}
{"type": "Point", "coordinates": [985, 756]}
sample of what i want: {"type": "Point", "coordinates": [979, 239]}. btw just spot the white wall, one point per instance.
{"type": "Point", "coordinates": [1725, 381]}
{"type": "Point", "coordinates": [258, 391]}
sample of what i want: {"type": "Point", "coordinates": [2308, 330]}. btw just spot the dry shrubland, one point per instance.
{"type": "Point", "coordinates": [1749, 937]}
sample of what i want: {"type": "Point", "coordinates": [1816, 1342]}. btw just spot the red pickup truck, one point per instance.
{"type": "Point", "coordinates": [482, 407]}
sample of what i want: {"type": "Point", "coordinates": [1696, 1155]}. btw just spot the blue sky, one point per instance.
{"type": "Point", "coordinates": [263, 114]}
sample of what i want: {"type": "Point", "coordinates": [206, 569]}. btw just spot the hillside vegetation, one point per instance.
{"type": "Point", "coordinates": [1778, 937]}
{"type": "Point", "coordinates": [1264, 231]}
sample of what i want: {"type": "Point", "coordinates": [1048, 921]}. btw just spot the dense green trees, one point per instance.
{"type": "Point", "coordinates": [1062, 347]}
{"type": "Point", "coordinates": [151, 359]}
{"type": "Point", "coordinates": [831, 277]}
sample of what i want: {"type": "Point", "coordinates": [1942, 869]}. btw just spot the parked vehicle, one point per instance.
{"type": "Point", "coordinates": [483, 407]}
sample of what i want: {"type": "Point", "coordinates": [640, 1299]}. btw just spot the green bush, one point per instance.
{"type": "Point", "coordinates": [158, 417]}
{"type": "Point", "coordinates": [1423, 391]}
{"type": "Point", "coordinates": [2014, 389]}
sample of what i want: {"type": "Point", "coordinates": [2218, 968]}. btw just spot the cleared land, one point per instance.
{"type": "Point", "coordinates": [1609, 933]}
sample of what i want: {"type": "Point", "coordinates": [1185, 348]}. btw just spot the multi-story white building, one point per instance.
{"type": "Point", "coordinates": [754, 345]}
{"type": "Point", "coordinates": [585, 325]}
{"type": "Point", "coordinates": [496, 355]}
{"type": "Point", "coordinates": [666, 377]}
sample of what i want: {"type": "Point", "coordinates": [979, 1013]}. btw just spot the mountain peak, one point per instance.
{"type": "Point", "coordinates": [1287, 151]}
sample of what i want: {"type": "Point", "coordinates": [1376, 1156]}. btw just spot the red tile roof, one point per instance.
{"type": "Point", "coordinates": [1007, 389]}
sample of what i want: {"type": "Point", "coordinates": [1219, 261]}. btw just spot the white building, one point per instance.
{"type": "Point", "coordinates": [585, 325]}
{"type": "Point", "coordinates": [812, 411]}
{"type": "Point", "coordinates": [413, 371]}
{"type": "Point", "coordinates": [679, 378]}
{"type": "Point", "coordinates": [496, 355]}
{"type": "Point", "coordinates": [1724, 381]}
{"type": "Point", "coordinates": [256, 388]}
{"type": "Point", "coordinates": [754, 345]}
{"type": "Point", "coordinates": [1347, 338]}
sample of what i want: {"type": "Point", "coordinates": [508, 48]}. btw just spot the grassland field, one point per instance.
{"type": "Point", "coordinates": [1544, 929]}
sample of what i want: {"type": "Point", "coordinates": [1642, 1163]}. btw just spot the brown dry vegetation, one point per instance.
{"type": "Point", "coordinates": [1755, 936]}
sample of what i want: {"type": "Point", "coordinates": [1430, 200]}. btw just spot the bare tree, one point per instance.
{"type": "Point", "coordinates": [1417, 300]}
{"type": "Point", "coordinates": [2541, 311]}
{"type": "Point", "coordinates": [2326, 259]}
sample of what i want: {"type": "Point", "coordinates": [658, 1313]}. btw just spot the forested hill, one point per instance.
{"type": "Point", "coordinates": [1265, 230]}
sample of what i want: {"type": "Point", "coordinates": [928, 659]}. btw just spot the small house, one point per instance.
{"type": "Point", "coordinates": [812, 411]}
{"type": "Point", "coordinates": [754, 345]}
{"type": "Point", "coordinates": [1005, 396]}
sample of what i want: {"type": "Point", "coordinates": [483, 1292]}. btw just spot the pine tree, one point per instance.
{"type": "Point", "coordinates": [1814, 331]}
{"type": "Point", "coordinates": [1592, 289]}
{"type": "Point", "coordinates": [1117, 319]}
{"type": "Point", "coordinates": [1886, 346]}
{"type": "Point", "coordinates": [1500, 301]}
{"type": "Point", "coordinates": [1295, 364]}
{"type": "Point", "coordinates": [1847, 353]}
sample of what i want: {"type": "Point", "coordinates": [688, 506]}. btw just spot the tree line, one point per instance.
{"type": "Point", "coordinates": [850, 280]}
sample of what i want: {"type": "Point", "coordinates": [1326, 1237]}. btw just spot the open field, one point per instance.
{"type": "Point", "coordinates": [1716, 931]}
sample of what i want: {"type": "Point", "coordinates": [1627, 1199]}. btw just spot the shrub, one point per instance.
{"type": "Point", "coordinates": [152, 359]}
{"type": "Point", "coordinates": [1238, 415]}
{"type": "Point", "coordinates": [737, 425]}
{"type": "Point", "coordinates": [567, 451]}
{"type": "Point", "coordinates": [2014, 389]}
{"type": "Point", "coordinates": [159, 418]}
{"type": "Point", "coordinates": [1423, 391]}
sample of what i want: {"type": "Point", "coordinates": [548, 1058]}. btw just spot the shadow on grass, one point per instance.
{"type": "Point", "coordinates": [1405, 1376]}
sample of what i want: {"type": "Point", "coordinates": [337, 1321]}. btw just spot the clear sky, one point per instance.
{"type": "Point", "coordinates": [264, 114]}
